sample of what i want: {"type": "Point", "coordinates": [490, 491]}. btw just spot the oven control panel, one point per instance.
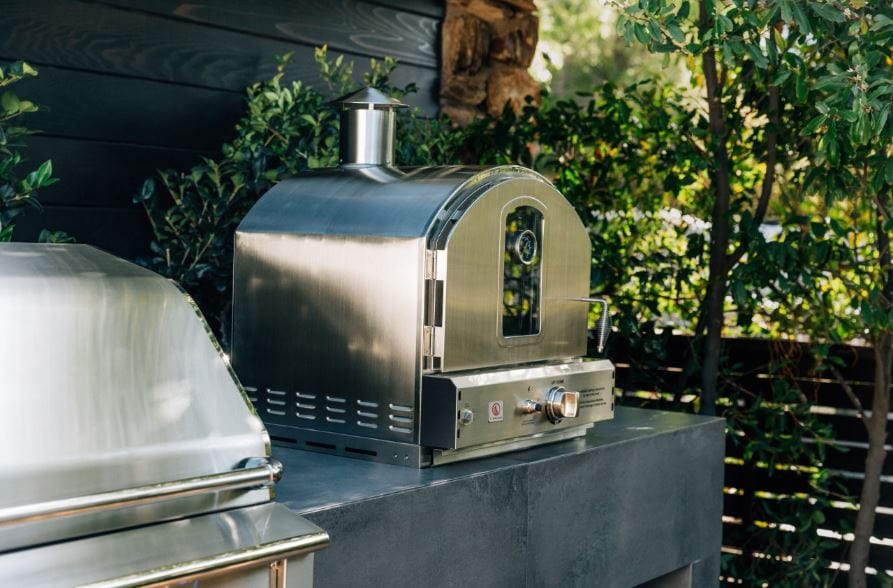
{"type": "Point", "coordinates": [466, 409]}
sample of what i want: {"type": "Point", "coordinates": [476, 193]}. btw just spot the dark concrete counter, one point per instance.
{"type": "Point", "coordinates": [638, 498]}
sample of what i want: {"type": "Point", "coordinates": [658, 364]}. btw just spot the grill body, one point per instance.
{"type": "Point", "coordinates": [126, 433]}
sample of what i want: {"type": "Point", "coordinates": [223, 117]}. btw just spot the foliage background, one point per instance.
{"type": "Point", "coordinates": [18, 193]}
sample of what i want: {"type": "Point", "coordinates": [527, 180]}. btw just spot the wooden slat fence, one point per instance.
{"type": "Point", "coordinates": [750, 368]}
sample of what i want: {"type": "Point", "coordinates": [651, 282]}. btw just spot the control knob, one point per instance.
{"type": "Point", "coordinates": [559, 404]}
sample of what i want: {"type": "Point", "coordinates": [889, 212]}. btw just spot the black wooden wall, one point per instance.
{"type": "Point", "coordinates": [131, 86]}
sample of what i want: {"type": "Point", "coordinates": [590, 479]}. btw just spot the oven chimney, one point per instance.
{"type": "Point", "coordinates": [368, 122]}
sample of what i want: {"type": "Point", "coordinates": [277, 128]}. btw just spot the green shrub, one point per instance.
{"type": "Point", "coordinates": [18, 193]}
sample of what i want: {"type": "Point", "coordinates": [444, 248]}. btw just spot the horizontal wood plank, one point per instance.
{"type": "Point", "coordinates": [96, 173]}
{"type": "Point", "coordinates": [105, 108]}
{"type": "Point", "coordinates": [433, 8]}
{"type": "Point", "coordinates": [357, 27]}
{"type": "Point", "coordinates": [99, 107]}
{"type": "Point", "coordinates": [122, 231]}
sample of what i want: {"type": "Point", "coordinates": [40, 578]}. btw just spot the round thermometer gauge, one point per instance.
{"type": "Point", "coordinates": [525, 247]}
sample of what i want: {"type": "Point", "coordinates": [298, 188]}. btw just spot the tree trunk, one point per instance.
{"type": "Point", "coordinates": [874, 463]}
{"type": "Point", "coordinates": [877, 424]}
{"type": "Point", "coordinates": [719, 230]}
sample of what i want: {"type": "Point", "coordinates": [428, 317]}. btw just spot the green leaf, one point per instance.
{"type": "Point", "coordinates": [801, 19]}
{"type": "Point", "coordinates": [676, 32]}
{"type": "Point", "coordinates": [813, 125]}
{"type": "Point", "coordinates": [146, 191]}
{"type": "Point", "coordinates": [44, 172]}
{"type": "Point", "coordinates": [888, 172]}
{"type": "Point", "coordinates": [800, 87]}
{"type": "Point", "coordinates": [758, 58]}
{"type": "Point", "coordinates": [880, 21]}
{"type": "Point", "coordinates": [781, 76]}
{"type": "Point", "coordinates": [727, 56]}
{"type": "Point", "coordinates": [725, 23]}
{"type": "Point", "coordinates": [832, 149]}
{"type": "Point", "coordinates": [880, 119]}
{"type": "Point", "coordinates": [786, 14]}
{"type": "Point", "coordinates": [739, 293]}
{"type": "Point", "coordinates": [9, 102]}
{"type": "Point", "coordinates": [654, 30]}
{"type": "Point", "coordinates": [641, 34]}
{"type": "Point", "coordinates": [827, 12]}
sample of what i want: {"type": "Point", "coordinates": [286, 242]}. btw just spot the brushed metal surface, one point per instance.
{"type": "Point", "coordinates": [350, 283]}
{"type": "Point", "coordinates": [368, 122]}
{"type": "Point", "coordinates": [472, 323]}
{"type": "Point", "coordinates": [307, 324]}
{"type": "Point", "coordinates": [445, 456]}
{"type": "Point", "coordinates": [110, 381]}
{"type": "Point", "coordinates": [445, 396]}
{"type": "Point", "coordinates": [329, 293]}
{"type": "Point", "coordinates": [355, 446]}
{"type": "Point", "coordinates": [255, 473]}
{"type": "Point", "coordinates": [209, 549]}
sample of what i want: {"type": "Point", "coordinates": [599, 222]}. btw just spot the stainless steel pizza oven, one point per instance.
{"type": "Point", "coordinates": [130, 455]}
{"type": "Point", "coordinates": [415, 316]}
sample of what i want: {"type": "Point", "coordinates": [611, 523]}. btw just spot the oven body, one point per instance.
{"type": "Point", "coordinates": [406, 315]}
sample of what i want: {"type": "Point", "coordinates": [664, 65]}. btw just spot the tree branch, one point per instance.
{"type": "Point", "coordinates": [848, 390]}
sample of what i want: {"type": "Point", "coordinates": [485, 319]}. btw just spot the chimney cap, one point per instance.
{"type": "Point", "coordinates": [368, 98]}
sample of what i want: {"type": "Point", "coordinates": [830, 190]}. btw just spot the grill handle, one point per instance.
{"type": "Point", "coordinates": [255, 472]}
{"type": "Point", "coordinates": [275, 554]}
{"type": "Point", "coordinates": [602, 325]}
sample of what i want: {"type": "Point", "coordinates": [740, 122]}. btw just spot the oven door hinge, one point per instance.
{"type": "Point", "coordinates": [432, 332]}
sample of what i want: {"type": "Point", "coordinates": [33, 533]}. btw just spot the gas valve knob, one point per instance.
{"type": "Point", "coordinates": [561, 404]}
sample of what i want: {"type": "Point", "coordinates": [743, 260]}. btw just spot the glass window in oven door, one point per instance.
{"type": "Point", "coordinates": [522, 271]}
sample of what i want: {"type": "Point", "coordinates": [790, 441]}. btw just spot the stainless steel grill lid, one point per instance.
{"type": "Point", "coordinates": [119, 409]}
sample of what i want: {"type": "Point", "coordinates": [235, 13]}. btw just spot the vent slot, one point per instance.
{"type": "Point", "coordinates": [336, 410]}
{"type": "Point", "coordinates": [359, 451]}
{"type": "Point", "coordinates": [367, 403]}
{"type": "Point", "coordinates": [400, 429]}
{"type": "Point", "coordinates": [251, 392]}
{"type": "Point", "coordinates": [275, 402]}
{"type": "Point", "coordinates": [367, 425]}
{"type": "Point", "coordinates": [305, 406]}
{"type": "Point", "coordinates": [319, 445]}
{"type": "Point", "coordinates": [287, 440]}
{"type": "Point", "coordinates": [401, 419]}
{"type": "Point", "coordinates": [276, 412]}
{"type": "Point", "coordinates": [305, 396]}
{"type": "Point", "coordinates": [400, 408]}
{"type": "Point", "coordinates": [272, 392]}
{"type": "Point", "coordinates": [309, 417]}
{"type": "Point", "coordinates": [334, 420]}
{"type": "Point", "coordinates": [367, 415]}
{"type": "Point", "coordinates": [336, 399]}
